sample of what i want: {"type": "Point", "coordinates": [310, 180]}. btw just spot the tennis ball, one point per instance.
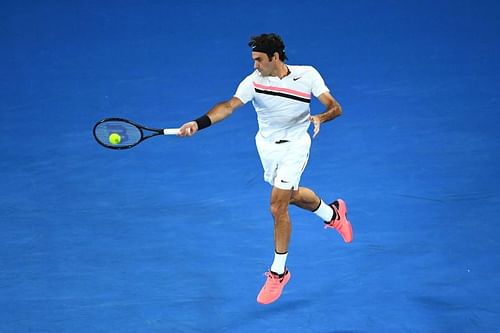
{"type": "Point", "coordinates": [115, 138]}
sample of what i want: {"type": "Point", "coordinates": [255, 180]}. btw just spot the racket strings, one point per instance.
{"type": "Point", "coordinates": [128, 133]}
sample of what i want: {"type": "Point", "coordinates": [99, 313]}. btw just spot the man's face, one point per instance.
{"type": "Point", "coordinates": [262, 63]}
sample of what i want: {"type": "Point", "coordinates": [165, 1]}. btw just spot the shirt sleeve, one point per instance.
{"type": "Point", "coordinates": [245, 90]}
{"type": "Point", "coordinates": [318, 84]}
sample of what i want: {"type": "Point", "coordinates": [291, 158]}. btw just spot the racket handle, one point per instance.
{"type": "Point", "coordinates": [171, 131]}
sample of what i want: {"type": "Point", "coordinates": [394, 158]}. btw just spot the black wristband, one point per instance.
{"type": "Point", "coordinates": [203, 122]}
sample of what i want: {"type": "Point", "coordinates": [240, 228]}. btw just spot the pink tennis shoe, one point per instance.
{"type": "Point", "coordinates": [273, 287]}
{"type": "Point", "coordinates": [340, 222]}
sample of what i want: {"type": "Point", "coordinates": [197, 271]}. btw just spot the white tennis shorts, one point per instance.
{"type": "Point", "coordinates": [283, 163]}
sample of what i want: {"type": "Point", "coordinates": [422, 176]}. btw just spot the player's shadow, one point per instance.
{"type": "Point", "coordinates": [266, 313]}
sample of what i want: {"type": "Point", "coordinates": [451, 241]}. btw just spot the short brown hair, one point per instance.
{"type": "Point", "coordinates": [268, 44]}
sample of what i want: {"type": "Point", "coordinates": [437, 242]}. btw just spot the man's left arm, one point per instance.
{"type": "Point", "coordinates": [333, 110]}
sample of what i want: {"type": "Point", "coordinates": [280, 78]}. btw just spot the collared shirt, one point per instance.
{"type": "Point", "coordinates": [282, 105]}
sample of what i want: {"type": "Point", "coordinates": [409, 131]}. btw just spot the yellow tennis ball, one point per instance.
{"type": "Point", "coordinates": [115, 138]}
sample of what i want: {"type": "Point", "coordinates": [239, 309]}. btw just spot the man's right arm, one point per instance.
{"type": "Point", "coordinates": [217, 113]}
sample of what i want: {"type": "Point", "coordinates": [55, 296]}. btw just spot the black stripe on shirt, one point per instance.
{"type": "Point", "coordinates": [275, 93]}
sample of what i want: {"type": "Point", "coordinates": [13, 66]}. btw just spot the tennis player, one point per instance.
{"type": "Point", "coordinates": [281, 95]}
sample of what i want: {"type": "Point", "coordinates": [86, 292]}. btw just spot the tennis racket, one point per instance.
{"type": "Point", "coordinates": [119, 133]}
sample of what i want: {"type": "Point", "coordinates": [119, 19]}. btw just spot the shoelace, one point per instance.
{"type": "Point", "coordinates": [273, 281]}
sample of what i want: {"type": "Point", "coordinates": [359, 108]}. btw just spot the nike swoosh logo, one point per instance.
{"type": "Point", "coordinates": [284, 181]}
{"type": "Point", "coordinates": [296, 78]}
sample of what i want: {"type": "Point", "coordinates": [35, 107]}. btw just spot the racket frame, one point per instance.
{"type": "Point", "coordinates": [141, 128]}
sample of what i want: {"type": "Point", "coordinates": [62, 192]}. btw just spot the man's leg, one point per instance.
{"type": "Point", "coordinates": [305, 198]}
{"type": "Point", "coordinates": [334, 215]}
{"type": "Point", "coordinates": [278, 276]}
{"type": "Point", "coordinates": [280, 200]}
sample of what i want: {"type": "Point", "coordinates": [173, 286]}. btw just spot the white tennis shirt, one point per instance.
{"type": "Point", "coordinates": [282, 105]}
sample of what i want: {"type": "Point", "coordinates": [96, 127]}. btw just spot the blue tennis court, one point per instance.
{"type": "Point", "coordinates": [175, 234]}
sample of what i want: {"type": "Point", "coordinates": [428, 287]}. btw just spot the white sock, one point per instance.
{"type": "Point", "coordinates": [324, 211]}
{"type": "Point", "coordinates": [279, 263]}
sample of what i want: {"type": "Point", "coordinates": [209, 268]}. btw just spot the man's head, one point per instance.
{"type": "Point", "coordinates": [268, 52]}
{"type": "Point", "coordinates": [268, 44]}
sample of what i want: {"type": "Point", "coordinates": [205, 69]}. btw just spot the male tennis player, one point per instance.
{"type": "Point", "coordinates": [281, 96]}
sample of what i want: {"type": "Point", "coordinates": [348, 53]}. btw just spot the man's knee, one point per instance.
{"type": "Point", "coordinates": [279, 209]}
{"type": "Point", "coordinates": [280, 200]}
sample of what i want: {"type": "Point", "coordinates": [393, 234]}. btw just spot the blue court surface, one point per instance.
{"type": "Point", "coordinates": [174, 234]}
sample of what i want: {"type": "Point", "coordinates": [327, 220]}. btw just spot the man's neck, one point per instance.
{"type": "Point", "coordinates": [282, 70]}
